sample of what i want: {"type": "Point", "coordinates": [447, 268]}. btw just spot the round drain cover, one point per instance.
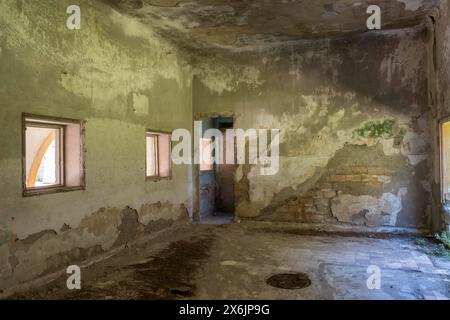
{"type": "Point", "coordinates": [183, 292]}
{"type": "Point", "coordinates": [289, 281]}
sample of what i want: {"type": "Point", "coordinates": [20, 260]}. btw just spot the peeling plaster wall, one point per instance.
{"type": "Point", "coordinates": [122, 79]}
{"type": "Point", "coordinates": [354, 120]}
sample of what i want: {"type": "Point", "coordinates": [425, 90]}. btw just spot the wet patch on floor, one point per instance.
{"type": "Point", "coordinates": [165, 275]}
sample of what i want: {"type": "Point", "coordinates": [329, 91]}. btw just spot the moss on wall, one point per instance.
{"type": "Point", "coordinates": [385, 129]}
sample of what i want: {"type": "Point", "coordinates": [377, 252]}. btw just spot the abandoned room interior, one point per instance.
{"type": "Point", "coordinates": [225, 149]}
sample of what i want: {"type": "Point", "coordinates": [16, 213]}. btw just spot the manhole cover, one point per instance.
{"type": "Point", "coordinates": [289, 281]}
{"type": "Point", "coordinates": [183, 292]}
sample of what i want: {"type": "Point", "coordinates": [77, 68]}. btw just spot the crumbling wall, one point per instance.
{"type": "Point", "coordinates": [122, 79]}
{"type": "Point", "coordinates": [354, 120]}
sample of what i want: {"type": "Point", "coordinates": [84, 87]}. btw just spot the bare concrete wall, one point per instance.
{"type": "Point", "coordinates": [122, 79]}
{"type": "Point", "coordinates": [354, 120]}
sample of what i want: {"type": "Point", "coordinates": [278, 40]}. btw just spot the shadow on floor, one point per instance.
{"type": "Point", "coordinates": [218, 218]}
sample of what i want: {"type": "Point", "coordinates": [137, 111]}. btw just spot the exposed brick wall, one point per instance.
{"type": "Point", "coordinates": [315, 205]}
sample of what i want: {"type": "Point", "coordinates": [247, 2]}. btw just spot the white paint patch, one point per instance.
{"type": "Point", "coordinates": [415, 146]}
{"type": "Point", "coordinates": [376, 211]}
{"type": "Point", "coordinates": [232, 263]}
{"type": "Point", "coordinates": [395, 203]}
{"type": "Point", "coordinates": [388, 147]}
{"type": "Point", "coordinates": [220, 78]}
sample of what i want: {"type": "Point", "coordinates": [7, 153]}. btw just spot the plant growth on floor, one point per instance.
{"type": "Point", "coordinates": [444, 238]}
{"type": "Point", "coordinates": [439, 247]}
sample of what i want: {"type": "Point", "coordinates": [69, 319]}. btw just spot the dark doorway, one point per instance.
{"type": "Point", "coordinates": [216, 182]}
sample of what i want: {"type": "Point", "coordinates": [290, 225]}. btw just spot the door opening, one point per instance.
{"type": "Point", "coordinates": [216, 180]}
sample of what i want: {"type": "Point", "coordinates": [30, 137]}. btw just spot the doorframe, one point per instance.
{"type": "Point", "coordinates": [196, 167]}
{"type": "Point", "coordinates": [441, 164]}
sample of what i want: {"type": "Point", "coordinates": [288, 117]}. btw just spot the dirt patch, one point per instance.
{"type": "Point", "coordinates": [72, 256]}
{"type": "Point", "coordinates": [345, 234]}
{"type": "Point", "coordinates": [168, 274]}
{"type": "Point", "coordinates": [164, 274]}
{"type": "Point", "coordinates": [130, 228]}
{"type": "Point", "coordinates": [157, 225]}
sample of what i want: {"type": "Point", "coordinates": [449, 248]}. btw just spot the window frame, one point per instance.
{"type": "Point", "coordinates": [57, 123]}
{"type": "Point", "coordinates": [157, 133]}
{"type": "Point", "coordinates": [441, 158]}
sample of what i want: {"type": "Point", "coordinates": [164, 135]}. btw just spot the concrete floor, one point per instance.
{"type": "Point", "coordinates": [233, 261]}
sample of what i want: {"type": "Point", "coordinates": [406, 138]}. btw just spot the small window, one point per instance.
{"type": "Point", "coordinates": [445, 160]}
{"type": "Point", "coordinates": [52, 155]}
{"type": "Point", "coordinates": [158, 160]}
{"type": "Point", "coordinates": [206, 156]}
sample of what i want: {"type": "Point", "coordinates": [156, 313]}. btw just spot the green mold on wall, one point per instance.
{"type": "Point", "coordinates": [386, 129]}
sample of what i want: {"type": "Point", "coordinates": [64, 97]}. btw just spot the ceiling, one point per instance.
{"type": "Point", "coordinates": [235, 24]}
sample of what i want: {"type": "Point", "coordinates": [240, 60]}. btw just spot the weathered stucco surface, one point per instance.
{"type": "Point", "coordinates": [122, 79]}
{"type": "Point", "coordinates": [244, 25]}
{"type": "Point", "coordinates": [358, 113]}
{"type": "Point", "coordinates": [354, 120]}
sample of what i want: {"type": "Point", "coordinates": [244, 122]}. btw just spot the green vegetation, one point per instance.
{"type": "Point", "coordinates": [442, 248]}
{"type": "Point", "coordinates": [421, 242]}
{"type": "Point", "coordinates": [386, 129]}
{"type": "Point", "coordinates": [444, 238]}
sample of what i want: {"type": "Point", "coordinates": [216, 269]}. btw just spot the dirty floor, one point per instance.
{"type": "Point", "coordinates": [234, 261]}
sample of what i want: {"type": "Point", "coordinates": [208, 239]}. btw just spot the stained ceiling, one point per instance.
{"type": "Point", "coordinates": [242, 23]}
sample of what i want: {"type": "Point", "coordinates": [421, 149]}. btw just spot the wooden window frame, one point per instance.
{"type": "Point", "coordinates": [157, 133]}
{"type": "Point", "coordinates": [441, 159]}
{"type": "Point", "coordinates": [42, 121]}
